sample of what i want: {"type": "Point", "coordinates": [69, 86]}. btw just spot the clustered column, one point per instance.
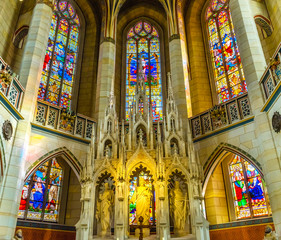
{"type": "Point", "coordinates": [254, 64]}
{"type": "Point", "coordinates": [177, 72]}
{"type": "Point", "coordinates": [106, 74]}
{"type": "Point", "coordinates": [30, 74]}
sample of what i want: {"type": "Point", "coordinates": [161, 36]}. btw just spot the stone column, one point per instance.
{"type": "Point", "coordinates": [8, 18]}
{"type": "Point", "coordinates": [30, 74]}
{"type": "Point", "coordinates": [106, 73]}
{"type": "Point", "coordinates": [177, 73]}
{"type": "Point", "coordinates": [254, 65]}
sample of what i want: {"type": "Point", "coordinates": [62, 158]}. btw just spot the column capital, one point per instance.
{"type": "Point", "coordinates": [50, 3]}
{"type": "Point", "coordinates": [108, 39]}
{"type": "Point", "coordinates": [174, 36]}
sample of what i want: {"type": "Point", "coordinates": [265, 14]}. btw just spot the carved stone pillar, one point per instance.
{"type": "Point", "coordinates": [84, 226]}
{"type": "Point", "coordinates": [120, 211]}
{"type": "Point", "coordinates": [254, 65]}
{"type": "Point", "coordinates": [30, 74]}
{"type": "Point", "coordinates": [163, 214]}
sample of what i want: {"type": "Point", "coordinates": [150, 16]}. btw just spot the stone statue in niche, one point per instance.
{"type": "Point", "coordinates": [178, 202]}
{"type": "Point", "coordinates": [105, 209]}
{"type": "Point", "coordinates": [142, 197]}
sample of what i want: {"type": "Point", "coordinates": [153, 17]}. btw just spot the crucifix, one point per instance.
{"type": "Point", "coordinates": [141, 227]}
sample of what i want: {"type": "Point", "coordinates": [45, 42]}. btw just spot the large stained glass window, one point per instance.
{"type": "Point", "coordinates": [226, 61]}
{"type": "Point", "coordinates": [143, 47]}
{"type": "Point", "coordinates": [249, 192]}
{"type": "Point", "coordinates": [40, 198]}
{"type": "Point", "coordinates": [61, 56]}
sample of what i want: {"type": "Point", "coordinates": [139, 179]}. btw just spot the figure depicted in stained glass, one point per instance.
{"type": "Point", "coordinates": [60, 59]}
{"type": "Point", "coordinates": [227, 67]}
{"type": "Point", "coordinates": [240, 192]}
{"type": "Point", "coordinates": [143, 56]}
{"type": "Point", "coordinates": [248, 189]}
{"type": "Point", "coordinates": [42, 192]}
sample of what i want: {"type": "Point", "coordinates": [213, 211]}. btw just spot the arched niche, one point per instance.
{"type": "Point", "coordinates": [105, 181]}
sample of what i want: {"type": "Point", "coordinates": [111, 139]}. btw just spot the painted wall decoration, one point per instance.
{"type": "Point", "coordinates": [226, 62]}
{"type": "Point", "coordinates": [60, 61]}
{"type": "Point", "coordinates": [143, 44]}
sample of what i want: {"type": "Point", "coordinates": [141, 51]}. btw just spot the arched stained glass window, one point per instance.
{"type": "Point", "coordinates": [226, 61]}
{"type": "Point", "coordinates": [40, 198]}
{"type": "Point", "coordinates": [143, 44]}
{"type": "Point", "coordinates": [249, 192]}
{"type": "Point", "coordinates": [61, 56]}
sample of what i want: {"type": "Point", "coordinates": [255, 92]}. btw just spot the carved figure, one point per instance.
{"type": "Point", "coordinates": [104, 209]}
{"type": "Point", "coordinates": [142, 197]}
{"type": "Point", "coordinates": [178, 207]}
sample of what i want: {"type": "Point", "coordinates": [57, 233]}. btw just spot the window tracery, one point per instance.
{"type": "Point", "coordinates": [248, 188]}
{"type": "Point", "coordinates": [143, 47]}
{"type": "Point", "coordinates": [40, 198]}
{"type": "Point", "coordinates": [60, 61]}
{"type": "Point", "coordinates": [226, 62]}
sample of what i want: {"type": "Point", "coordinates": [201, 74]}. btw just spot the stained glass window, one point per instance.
{"type": "Point", "coordinates": [61, 56]}
{"type": "Point", "coordinates": [249, 192]}
{"type": "Point", "coordinates": [226, 61]}
{"type": "Point", "coordinates": [132, 206]}
{"type": "Point", "coordinates": [143, 44]}
{"type": "Point", "coordinates": [40, 198]}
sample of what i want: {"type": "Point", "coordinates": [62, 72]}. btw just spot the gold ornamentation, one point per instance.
{"type": "Point", "coordinates": [5, 79]}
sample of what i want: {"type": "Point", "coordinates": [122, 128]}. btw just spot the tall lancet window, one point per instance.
{"type": "Point", "coordinates": [61, 56]}
{"type": "Point", "coordinates": [143, 47]}
{"type": "Point", "coordinates": [249, 192]}
{"type": "Point", "coordinates": [226, 62]}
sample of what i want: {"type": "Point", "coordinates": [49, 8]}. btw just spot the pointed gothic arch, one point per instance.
{"type": "Point", "coordinates": [225, 62]}
{"type": "Point", "coordinates": [219, 153]}
{"type": "Point", "coordinates": [66, 154]}
{"type": "Point", "coordinates": [143, 56]}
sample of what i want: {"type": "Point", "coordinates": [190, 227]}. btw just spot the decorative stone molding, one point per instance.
{"type": "Point", "coordinates": [50, 3]}
{"type": "Point", "coordinates": [174, 36]}
{"type": "Point", "coordinates": [276, 122]}
{"type": "Point", "coordinates": [7, 130]}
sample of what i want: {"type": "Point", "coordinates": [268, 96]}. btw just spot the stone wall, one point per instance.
{"type": "Point", "coordinates": [73, 206]}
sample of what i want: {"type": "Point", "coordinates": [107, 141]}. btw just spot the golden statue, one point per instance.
{"type": "Point", "coordinates": [142, 198]}
{"type": "Point", "coordinates": [178, 207]}
{"type": "Point", "coordinates": [104, 209]}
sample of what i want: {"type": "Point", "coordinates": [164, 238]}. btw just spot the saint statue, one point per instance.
{"type": "Point", "coordinates": [104, 209]}
{"type": "Point", "coordinates": [142, 198]}
{"type": "Point", "coordinates": [178, 207]}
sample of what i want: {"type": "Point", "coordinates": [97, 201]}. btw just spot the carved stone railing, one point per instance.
{"type": "Point", "coordinates": [56, 118]}
{"type": "Point", "coordinates": [221, 116]}
{"type": "Point", "coordinates": [10, 86]}
{"type": "Point", "coordinates": [270, 80]}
